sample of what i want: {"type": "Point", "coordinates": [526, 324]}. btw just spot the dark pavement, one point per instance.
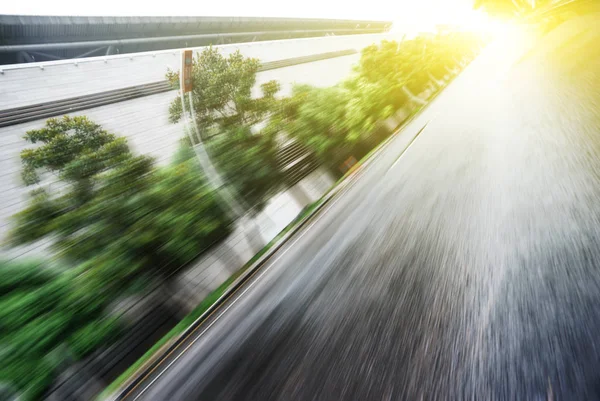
{"type": "Point", "coordinates": [468, 268]}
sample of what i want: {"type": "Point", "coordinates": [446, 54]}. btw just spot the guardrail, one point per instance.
{"type": "Point", "coordinates": [40, 111]}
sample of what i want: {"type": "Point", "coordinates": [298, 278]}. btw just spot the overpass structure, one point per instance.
{"type": "Point", "coordinates": [44, 38]}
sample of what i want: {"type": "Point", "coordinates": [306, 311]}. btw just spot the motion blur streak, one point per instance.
{"type": "Point", "coordinates": [468, 271]}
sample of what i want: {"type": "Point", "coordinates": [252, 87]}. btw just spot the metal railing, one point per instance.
{"type": "Point", "coordinates": [41, 111]}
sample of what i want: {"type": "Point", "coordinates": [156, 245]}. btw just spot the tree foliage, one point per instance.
{"type": "Point", "coordinates": [339, 121]}
{"type": "Point", "coordinates": [229, 119]}
{"type": "Point", "coordinates": [76, 149]}
{"type": "Point", "coordinates": [222, 92]}
{"type": "Point", "coordinates": [248, 163]}
{"type": "Point", "coordinates": [317, 117]}
{"type": "Point", "coordinates": [42, 328]}
{"type": "Point", "coordinates": [114, 211]}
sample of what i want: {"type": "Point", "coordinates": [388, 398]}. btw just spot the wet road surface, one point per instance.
{"type": "Point", "coordinates": [466, 268]}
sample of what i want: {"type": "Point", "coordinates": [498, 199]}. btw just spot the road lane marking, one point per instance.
{"type": "Point", "coordinates": [409, 145]}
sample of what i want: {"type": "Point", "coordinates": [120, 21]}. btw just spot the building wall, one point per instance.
{"type": "Point", "coordinates": [27, 84]}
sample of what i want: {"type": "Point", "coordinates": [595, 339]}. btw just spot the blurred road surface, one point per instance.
{"type": "Point", "coordinates": [467, 268]}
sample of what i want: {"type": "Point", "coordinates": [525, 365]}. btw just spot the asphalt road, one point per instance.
{"type": "Point", "coordinates": [466, 268]}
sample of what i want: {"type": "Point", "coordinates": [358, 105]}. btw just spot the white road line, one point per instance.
{"type": "Point", "coordinates": [409, 145]}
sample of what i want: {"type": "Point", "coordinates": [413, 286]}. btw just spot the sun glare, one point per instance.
{"type": "Point", "coordinates": [429, 16]}
{"type": "Point", "coordinates": [481, 22]}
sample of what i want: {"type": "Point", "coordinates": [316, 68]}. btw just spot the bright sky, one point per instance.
{"type": "Point", "coordinates": [410, 14]}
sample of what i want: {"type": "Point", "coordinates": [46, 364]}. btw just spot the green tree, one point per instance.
{"type": "Point", "coordinates": [396, 70]}
{"type": "Point", "coordinates": [318, 118]}
{"type": "Point", "coordinates": [335, 122]}
{"type": "Point", "coordinates": [339, 121]}
{"type": "Point", "coordinates": [249, 164]}
{"type": "Point", "coordinates": [45, 325]}
{"type": "Point", "coordinates": [342, 120]}
{"type": "Point", "coordinates": [231, 122]}
{"type": "Point", "coordinates": [222, 92]}
{"type": "Point", "coordinates": [382, 67]}
{"type": "Point", "coordinates": [419, 56]}
{"type": "Point", "coordinates": [112, 210]}
{"type": "Point", "coordinates": [74, 156]}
